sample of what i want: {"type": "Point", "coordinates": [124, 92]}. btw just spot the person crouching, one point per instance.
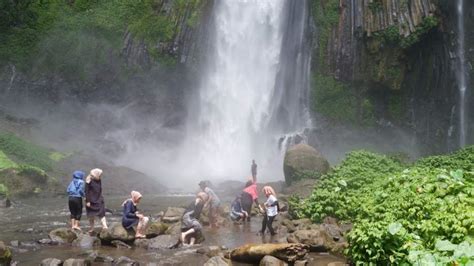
{"type": "Point", "coordinates": [131, 216]}
{"type": "Point", "coordinates": [236, 211]}
{"type": "Point", "coordinates": [190, 225]}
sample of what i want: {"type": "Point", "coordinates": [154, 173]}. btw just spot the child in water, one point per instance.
{"type": "Point", "coordinates": [236, 211]}
{"type": "Point", "coordinates": [190, 225]}
{"type": "Point", "coordinates": [131, 216]}
{"type": "Point", "coordinates": [271, 206]}
{"type": "Point", "coordinates": [75, 190]}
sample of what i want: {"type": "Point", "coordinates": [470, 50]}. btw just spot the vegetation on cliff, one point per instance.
{"type": "Point", "coordinates": [24, 166]}
{"type": "Point", "coordinates": [74, 39]}
{"type": "Point", "coordinates": [419, 214]}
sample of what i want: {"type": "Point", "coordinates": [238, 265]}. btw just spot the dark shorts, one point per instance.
{"type": "Point", "coordinates": [75, 207]}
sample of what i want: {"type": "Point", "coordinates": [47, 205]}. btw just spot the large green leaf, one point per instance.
{"type": "Point", "coordinates": [394, 228]}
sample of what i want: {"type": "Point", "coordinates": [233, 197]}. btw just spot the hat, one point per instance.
{"type": "Point", "coordinates": [78, 175]}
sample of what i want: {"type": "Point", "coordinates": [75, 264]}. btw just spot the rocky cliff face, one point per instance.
{"type": "Point", "coordinates": [393, 62]}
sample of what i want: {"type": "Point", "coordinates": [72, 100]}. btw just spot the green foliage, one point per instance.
{"type": "Point", "coordinates": [3, 190]}
{"type": "Point", "coordinates": [333, 99]}
{"type": "Point", "coordinates": [326, 14]}
{"type": "Point", "coordinates": [426, 25]}
{"type": "Point", "coordinates": [5, 162]}
{"type": "Point", "coordinates": [389, 35]}
{"type": "Point", "coordinates": [25, 152]}
{"type": "Point", "coordinates": [401, 214]}
{"type": "Point", "coordinates": [396, 109]}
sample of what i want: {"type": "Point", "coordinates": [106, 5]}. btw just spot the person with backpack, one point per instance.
{"type": "Point", "coordinates": [271, 210]}
{"type": "Point", "coordinates": [75, 190]}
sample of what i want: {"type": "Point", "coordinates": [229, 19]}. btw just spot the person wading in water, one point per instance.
{"type": "Point", "coordinates": [95, 205]}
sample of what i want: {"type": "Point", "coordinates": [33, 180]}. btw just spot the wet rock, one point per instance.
{"type": "Point", "coordinates": [173, 215]}
{"type": "Point", "coordinates": [156, 229]}
{"type": "Point", "coordinates": [86, 241]}
{"type": "Point", "coordinates": [47, 241]}
{"type": "Point", "coordinates": [216, 261]}
{"type": "Point", "coordinates": [174, 229]}
{"type": "Point", "coordinates": [5, 203]}
{"type": "Point", "coordinates": [77, 262]}
{"type": "Point", "coordinates": [116, 232]}
{"type": "Point", "coordinates": [210, 251]}
{"type": "Point", "coordinates": [125, 261]}
{"type": "Point", "coordinates": [62, 235]}
{"type": "Point", "coordinates": [272, 261]}
{"type": "Point", "coordinates": [162, 242]}
{"type": "Point", "coordinates": [316, 239]}
{"type": "Point", "coordinates": [5, 254]}
{"type": "Point", "coordinates": [303, 158]}
{"type": "Point", "coordinates": [302, 223]}
{"type": "Point", "coordinates": [103, 258]}
{"type": "Point", "coordinates": [301, 263]}
{"type": "Point", "coordinates": [337, 263]}
{"type": "Point", "coordinates": [51, 262]}
{"type": "Point", "coordinates": [141, 243]}
{"type": "Point", "coordinates": [29, 244]}
{"type": "Point", "coordinates": [14, 243]}
{"type": "Point", "coordinates": [120, 244]}
{"type": "Point", "coordinates": [253, 253]}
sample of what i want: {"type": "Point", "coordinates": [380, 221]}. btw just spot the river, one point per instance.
{"type": "Point", "coordinates": [31, 219]}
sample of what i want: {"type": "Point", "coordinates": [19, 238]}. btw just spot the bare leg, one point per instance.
{"type": "Point", "coordinates": [77, 225]}
{"type": "Point", "coordinates": [104, 223]}
{"type": "Point", "coordinates": [141, 228]}
{"type": "Point", "coordinates": [185, 234]}
{"type": "Point", "coordinates": [91, 224]}
{"type": "Point", "coordinates": [73, 224]}
{"type": "Point", "coordinates": [192, 241]}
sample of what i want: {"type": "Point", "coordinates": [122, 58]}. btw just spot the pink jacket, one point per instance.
{"type": "Point", "coordinates": [252, 190]}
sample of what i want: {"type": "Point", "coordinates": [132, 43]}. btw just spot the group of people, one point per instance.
{"type": "Point", "coordinates": [90, 189]}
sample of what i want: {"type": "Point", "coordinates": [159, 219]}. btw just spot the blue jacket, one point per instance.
{"type": "Point", "coordinates": [76, 187]}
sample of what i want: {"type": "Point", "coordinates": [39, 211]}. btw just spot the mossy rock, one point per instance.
{"type": "Point", "coordinates": [5, 254]}
{"type": "Point", "coordinates": [156, 229]}
{"type": "Point", "coordinates": [302, 159]}
{"type": "Point", "coordinates": [62, 235]}
{"type": "Point", "coordinates": [27, 180]}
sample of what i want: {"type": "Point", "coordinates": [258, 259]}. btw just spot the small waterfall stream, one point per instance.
{"type": "Point", "coordinates": [461, 74]}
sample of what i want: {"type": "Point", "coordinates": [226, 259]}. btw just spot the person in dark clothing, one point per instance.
{"type": "Point", "coordinates": [75, 190]}
{"type": "Point", "coordinates": [131, 217]}
{"type": "Point", "coordinates": [236, 211]}
{"type": "Point", "coordinates": [249, 196]}
{"type": "Point", "coordinates": [190, 225]}
{"type": "Point", "coordinates": [253, 170]}
{"type": "Point", "coordinates": [95, 205]}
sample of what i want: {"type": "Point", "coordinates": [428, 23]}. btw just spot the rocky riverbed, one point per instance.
{"type": "Point", "coordinates": [35, 231]}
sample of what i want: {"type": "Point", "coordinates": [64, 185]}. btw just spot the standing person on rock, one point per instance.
{"type": "Point", "coordinates": [270, 211]}
{"type": "Point", "coordinates": [249, 196]}
{"type": "Point", "coordinates": [75, 190]}
{"type": "Point", "coordinates": [95, 205]}
{"type": "Point", "coordinates": [131, 217]}
{"type": "Point", "coordinates": [213, 201]}
{"type": "Point", "coordinates": [253, 170]}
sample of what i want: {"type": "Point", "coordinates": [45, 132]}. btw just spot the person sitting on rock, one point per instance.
{"type": "Point", "coordinates": [236, 211]}
{"type": "Point", "coordinates": [271, 210]}
{"type": "Point", "coordinates": [75, 190]}
{"type": "Point", "coordinates": [190, 225]}
{"type": "Point", "coordinates": [131, 217]}
{"type": "Point", "coordinates": [213, 201]}
{"type": "Point", "coordinates": [249, 196]}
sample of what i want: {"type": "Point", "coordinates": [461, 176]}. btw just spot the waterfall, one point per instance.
{"type": "Point", "coordinates": [253, 90]}
{"type": "Point", "coordinates": [461, 74]}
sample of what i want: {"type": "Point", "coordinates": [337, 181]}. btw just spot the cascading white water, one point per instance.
{"type": "Point", "coordinates": [244, 90]}
{"type": "Point", "coordinates": [461, 74]}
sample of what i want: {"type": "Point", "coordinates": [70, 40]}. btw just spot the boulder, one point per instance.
{"type": "Point", "coordinates": [272, 261]}
{"type": "Point", "coordinates": [253, 253]}
{"type": "Point", "coordinates": [119, 244]}
{"type": "Point", "coordinates": [62, 235]}
{"type": "Point", "coordinates": [301, 263]}
{"type": "Point", "coordinates": [156, 229]}
{"type": "Point", "coordinates": [5, 202]}
{"type": "Point", "coordinates": [210, 251]}
{"type": "Point", "coordinates": [162, 242]}
{"type": "Point", "coordinates": [216, 261]}
{"type": "Point", "coordinates": [51, 262]}
{"type": "Point", "coordinates": [303, 161]}
{"type": "Point", "coordinates": [5, 254]}
{"type": "Point", "coordinates": [125, 261]}
{"type": "Point", "coordinates": [77, 262]}
{"type": "Point", "coordinates": [319, 240]}
{"type": "Point", "coordinates": [116, 232]}
{"type": "Point", "coordinates": [86, 241]}
{"type": "Point", "coordinates": [173, 215]}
